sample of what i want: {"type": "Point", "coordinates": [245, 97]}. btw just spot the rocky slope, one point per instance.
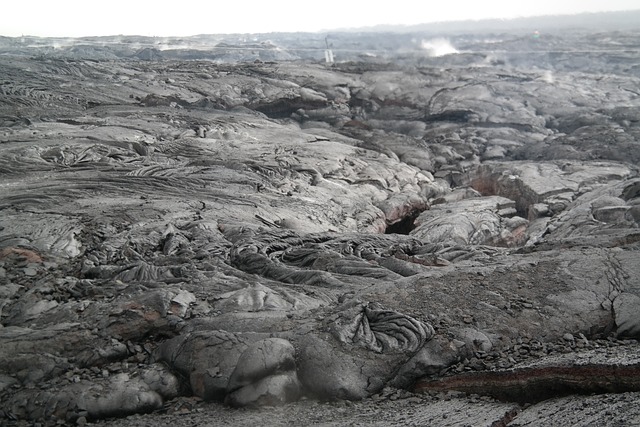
{"type": "Point", "coordinates": [177, 235]}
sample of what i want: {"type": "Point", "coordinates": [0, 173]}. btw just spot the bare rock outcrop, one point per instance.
{"type": "Point", "coordinates": [181, 232]}
{"type": "Point", "coordinates": [207, 358]}
{"type": "Point", "coordinates": [265, 375]}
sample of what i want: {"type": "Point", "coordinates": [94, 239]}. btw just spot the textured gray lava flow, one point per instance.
{"type": "Point", "coordinates": [269, 233]}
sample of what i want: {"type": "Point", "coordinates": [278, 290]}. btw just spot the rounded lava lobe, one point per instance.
{"type": "Point", "coordinates": [262, 359]}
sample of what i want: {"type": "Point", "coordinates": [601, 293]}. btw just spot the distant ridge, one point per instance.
{"type": "Point", "coordinates": [604, 21]}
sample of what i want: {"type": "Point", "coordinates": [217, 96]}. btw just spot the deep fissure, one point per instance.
{"type": "Point", "coordinates": [405, 225]}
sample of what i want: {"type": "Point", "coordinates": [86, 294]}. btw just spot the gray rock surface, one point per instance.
{"type": "Point", "coordinates": [626, 308]}
{"type": "Point", "coordinates": [605, 409]}
{"type": "Point", "coordinates": [265, 374]}
{"type": "Point", "coordinates": [180, 233]}
{"type": "Point", "coordinates": [207, 358]}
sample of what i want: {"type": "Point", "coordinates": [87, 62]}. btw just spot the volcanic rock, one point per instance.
{"type": "Point", "coordinates": [179, 231]}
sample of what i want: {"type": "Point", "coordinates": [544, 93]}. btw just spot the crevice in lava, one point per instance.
{"type": "Point", "coordinates": [404, 225]}
{"type": "Point", "coordinates": [490, 183]}
{"type": "Point", "coordinates": [533, 385]}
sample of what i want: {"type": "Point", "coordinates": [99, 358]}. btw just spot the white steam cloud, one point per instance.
{"type": "Point", "coordinates": [438, 47]}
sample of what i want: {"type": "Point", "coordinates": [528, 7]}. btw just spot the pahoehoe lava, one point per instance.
{"type": "Point", "coordinates": [392, 239]}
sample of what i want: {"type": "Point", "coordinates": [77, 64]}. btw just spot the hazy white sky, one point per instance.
{"type": "Point", "coordinates": [190, 17]}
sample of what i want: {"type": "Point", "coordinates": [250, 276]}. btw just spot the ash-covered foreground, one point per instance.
{"type": "Point", "coordinates": [179, 232]}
